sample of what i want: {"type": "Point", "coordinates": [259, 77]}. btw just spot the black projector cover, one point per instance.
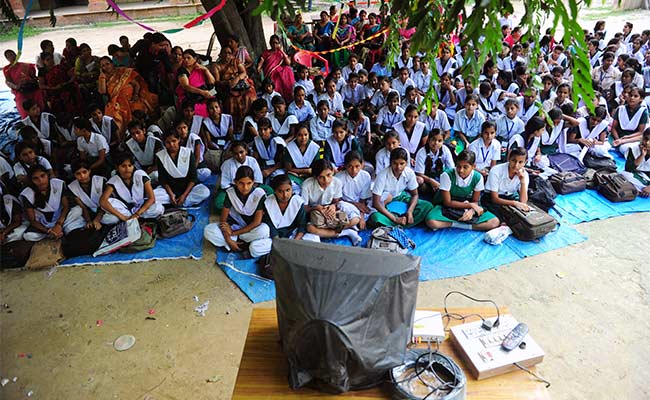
{"type": "Point", "coordinates": [344, 313]}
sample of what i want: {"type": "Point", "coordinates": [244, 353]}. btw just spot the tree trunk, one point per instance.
{"type": "Point", "coordinates": [236, 19]}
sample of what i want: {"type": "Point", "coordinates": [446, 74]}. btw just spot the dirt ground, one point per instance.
{"type": "Point", "coordinates": [585, 304]}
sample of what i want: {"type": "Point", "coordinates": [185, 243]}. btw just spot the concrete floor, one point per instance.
{"type": "Point", "coordinates": [584, 304]}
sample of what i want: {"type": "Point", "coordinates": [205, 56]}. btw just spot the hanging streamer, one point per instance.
{"type": "Point", "coordinates": [196, 21]}
{"type": "Point", "coordinates": [21, 31]}
{"type": "Point", "coordinates": [373, 36]}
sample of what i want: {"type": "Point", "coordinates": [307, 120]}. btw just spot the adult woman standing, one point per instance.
{"type": "Point", "coordinates": [86, 70]}
{"type": "Point", "coordinates": [21, 79]}
{"type": "Point", "coordinates": [344, 35]}
{"type": "Point", "coordinates": [323, 32]}
{"type": "Point", "coordinates": [126, 91]}
{"type": "Point", "coordinates": [234, 84]}
{"type": "Point", "coordinates": [194, 82]}
{"type": "Point", "coordinates": [276, 65]}
{"type": "Point", "coordinates": [375, 45]}
{"type": "Point", "coordinates": [300, 35]}
{"type": "Point", "coordinates": [62, 94]}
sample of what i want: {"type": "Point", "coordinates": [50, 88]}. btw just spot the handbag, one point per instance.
{"type": "Point", "coordinates": [392, 239]}
{"type": "Point", "coordinates": [175, 222]}
{"type": "Point", "coordinates": [598, 163]}
{"type": "Point", "coordinates": [146, 241]}
{"type": "Point", "coordinates": [457, 213]}
{"type": "Point", "coordinates": [319, 220]}
{"type": "Point", "coordinates": [241, 86]}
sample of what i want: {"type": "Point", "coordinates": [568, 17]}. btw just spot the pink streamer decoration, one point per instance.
{"type": "Point", "coordinates": [205, 16]}
{"type": "Point", "coordinates": [120, 12]}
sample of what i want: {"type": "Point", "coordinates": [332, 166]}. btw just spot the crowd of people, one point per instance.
{"type": "Point", "coordinates": [302, 153]}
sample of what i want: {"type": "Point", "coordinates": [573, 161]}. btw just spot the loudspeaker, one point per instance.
{"type": "Point", "coordinates": [344, 313]}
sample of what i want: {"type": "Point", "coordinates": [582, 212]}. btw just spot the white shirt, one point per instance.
{"type": "Point", "coordinates": [321, 130]}
{"type": "Point", "coordinates": [440, 121]}
{"type": "Point", "coordinates": [485, 155]}
{"type": "Point", "coordinates": [469, 127]}
{"type": "Point", "coordinates": [93, 146]}
{"type": "Point", "coordinates": [315, 195]}
{"type": "Point", "coordinates": [422, 154]}
{"type": "Point", "coordinates": [507, 128]}
{"type": "Point", "coordinates": [357, 188]}
{"type": "Point", "coordinates": [229, 170]}
{"type": "Point", "coordinates": [422, 81]}
{"type": "Point", "coordinates": [346, 71]}
{"type": "Point", "coordinates": [400, 86]}
{"type": "Point", "coordinates": [353, 96]}
{"type": "Point", "coordinates": [382, 159]}
{"type": "Point", "coordinates": [386, 182]}
{"type": "Point", "coordinates": [306, 84]}
{"type": "Point", "coordinates": [499, 181]}
{"type": "Point", "coordinates": [445, 181]}
{"type": "Point", "coordinates": [20, 170]}
{"type": "Point", "coordinates": [389, 119]}
{"type": "Point", "coordinates": [335, 103]}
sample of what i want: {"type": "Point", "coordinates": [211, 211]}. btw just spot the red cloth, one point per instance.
{"type": "Point", "coordinates": [281, 75]}
{"type": "Point", "coordinates": [20, 74]}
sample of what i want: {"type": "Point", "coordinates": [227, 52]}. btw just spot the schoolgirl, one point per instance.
{"type": "Point", "coordinates": [179, 184]}
{"type": "Point", "coordinates": [128, 194]}
{"type": "Point", "coordinates": [333, 97]}
{"type": "Point", "coordinates": [303, 80]}
{"type": "Point", "coordinates": [391, 142]}
{"type": "Point", "coordinates": [507, 184]}
{"type": "Point", "coordinates": [629, 122]}
{"type": "Point", "coordinates": [460, 190]}
{"type": "Point", "coordinates": [92, 146]}
{"type": "Point", "coordinates": [195, 122]}
{"type": "Point", "coordinates": [431, 161]}
{"type": "Point", "coordinates": [26, 158]}
{"type": "Point", "coordinates": [339, 144]}
{"type": "Point", "coordinates": [283, 123]}
{"type": "Point", "coordinates": [412, 133]}
{"type": "Point", "coordinates": [229, 169]}
{"type": "Point", "coordinates": [487, 149]}
{"type": "Point", "coordinates": [531, 141]}
{"type": "Point", "coordinates": [527, 107]}
{"type": "Point", "coordinates": [467, 124]}
{"type": "Point", "coordinates": [104, 125]}
{"type": "Point", "coordinates": [319, 89]}
{"type": "Point", "coordinates": [422, 78]}
{"type": "Point", "coordinates": [268, 150]}
{"type": "Point", "coordinates": [395, 195]}
{"type": "Point", "coordinates": [435, 119]}
{"type": "Point", "coordinates": [468, 88]}
{"type": "Point", "coordinates": [12, 226]}
{"type": "Point", "coordinates": [637, 165]}
{"type": "Point", "coordinates": [195, 144]}
{"type": "Point", "coordinates": [591, 136]}
{"type": "Point", "coordinates": [353, 66]}
{"type": "Point", "coordinates": [489, 100]}
{"type": "Point", "coordinates": [42, 147]}
{"type": "Point", "coordinates": [301, 108]}
{"type": "Point", "coordinates": [322, 193]}
{"type": "Point", "coordinates": [356, 184]}
{"type": "Point", "coordinates": [241, 216]}
{"type": "Point", "coordinates": [44, 123]}
{"type": "Point", "coordinates": [47, 208]}
{"type": "Point", "coordinates": [562, 97]}
{"type": "Point", "coordinates": [411, 97]}
{"type": "Point", "coordinates": [390, 114]}
{"type": "Point", "coordinates": [257, 111]}
{"type": "Point", "coordinates": [447, 96]}
{"type": "Point", "coordinates": [402, 81]}
{"type": "Point", "coordinates": [445, 64]}
{"type": "Point", "coordinates": [509, 124]}
{"type": "Point", "coordinates": [359, 127]}
{"type": "Point", "coordinates": [300, 155]}
{"type": "Point", "coordinates": [321, 125]}
{"type": "Point", "coordinates": [268, 92]}
{"type": "Point", "coordinates": [87, 190]}
{"type": "Point", "coordinates": [144, 148]}
{"type": "Point", "coordinates": [217, 133]}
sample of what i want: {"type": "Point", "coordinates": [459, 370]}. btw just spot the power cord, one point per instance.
{"type": "Point", "coordinates": [539, 377]}
{"type": "Point", "coordinates": [487, 325]}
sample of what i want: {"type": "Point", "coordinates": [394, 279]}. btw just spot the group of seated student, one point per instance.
{"type": "Point", "coordinates": [353, 143]}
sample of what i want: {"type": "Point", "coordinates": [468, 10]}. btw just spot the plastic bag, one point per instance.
{"type": "Point", "coordinates": [496, 236]}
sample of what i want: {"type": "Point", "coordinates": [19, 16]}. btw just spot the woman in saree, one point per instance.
{"type": "Point", "coordinates": [345, 35]}
{"type": "Point", "coordinates": [240, 52]}
{"type": "Point", "coordinates": [233, 83]}
{"type": "Point", "coordinates": [126, 92]}
{"type": "Point", "coordinates": [62, 95]}
{"type": "Point", "coordinates": [86, 69]}
{"type": "Point", "coordinates": [375, 45]}
{"type": "Point", "coordinates": [21, 79]}
{"type": "Point", "coordinates": [323, 32]}
{"type": "Point", "coordinates": [276, 65]}
{"type": "Point", "coordinates": [194, 82]}
{"type": "Point", "coordinates": [300, 35]}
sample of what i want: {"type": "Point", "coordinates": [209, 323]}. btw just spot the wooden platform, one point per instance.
{"type": "Point", "coordinates": [263, 369]}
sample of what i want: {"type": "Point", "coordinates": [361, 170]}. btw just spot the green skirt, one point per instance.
{"type": "Point", "coordinates": [422, 209]}
{"type": "Point", "coordinates": [436, 215]}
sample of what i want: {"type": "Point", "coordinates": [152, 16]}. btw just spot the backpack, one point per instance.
{"type": "Point", "coordinates": [541, 192]}
{"type": "Point", "coordinates": [563, 162]}
{"type": "Point", "coordinates": [590, 177]}
{"type": "Point", "coordinates": [568, 182]}
{"type": "Point", "coordinates": [392, 239]}
{"type": "Point", "coordinates": [599, 163]}
{"type": "Point", "coordinates": [615, 188]}
{"type": "Point", "coordinates": [146, 241]}
{"type": "Point", "coordinates": [528, 226]}
{"type": "Point", "coordinates": [175, 222]}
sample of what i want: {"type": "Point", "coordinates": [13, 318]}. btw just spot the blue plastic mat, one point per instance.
{"type": "Point", "coordinates": [187, 245]}
{"type": "Point", "coordinates": [8, 118]}
{"type": "Point", "coordinates": [445, 253]}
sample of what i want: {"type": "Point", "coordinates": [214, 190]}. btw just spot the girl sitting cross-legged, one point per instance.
{"type": "Point", "coordinates": [507, 184]}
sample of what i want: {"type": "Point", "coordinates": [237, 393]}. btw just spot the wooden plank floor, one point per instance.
{"type": "Point", "coordinates": [263, 369]}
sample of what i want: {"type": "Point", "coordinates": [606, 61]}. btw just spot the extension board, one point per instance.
{"type": "Point", "coordinates": [482, 352]}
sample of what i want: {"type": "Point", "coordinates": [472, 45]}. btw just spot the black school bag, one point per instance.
{"type": "Point", "coordinates": [568, 182]}
{"type": "Point", "coordinates": [175, 222]}
{"type": "Point", "coordinates": [530, 225]}
{"type": "Point", "coordinates": [615, 188]}
{"type": "Point", "coordinates": [541, 192]}
{"type": "Point", "coordinates": [563, 162]}
{"type": "Point", "coordinates": [599, 163]}
{"type": "Point", "coordinates": [81, 242]}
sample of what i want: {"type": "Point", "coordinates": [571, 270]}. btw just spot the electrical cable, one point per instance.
{"type": "Point", "coordinates": [496, 322]}
{"type": "Point", "coordinates": [539, 377]}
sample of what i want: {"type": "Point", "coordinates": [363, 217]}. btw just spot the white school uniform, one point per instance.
{"type": "Point", "coordinates": [179, 170]}
{"type": "Point", "coordinates": [346, 71]}
{"type": "Point", "coordinates": [130, 199]}
{"type": "Point", "coordinates": [443, 155]}
{"type": "Point", "coordinates": [361, 130]}
{"type": "Point", "coordinates": [339, 150]}
{"type": "Point", "coordinates": [378, 100]}
{"type": "Point", "coordinates": [400, 86]}
{"type": "Point", "coordinates": [9, 202]}
{"type": "Point", "coordinates": [212, 232]}
{"type": "Point", "coordinates": [642, 169]}
{"type": "Point", "coordinates": [192, 139]}
{"type": "Point", "coordinates": [314, 195]}
{"type": "Point", "coordinates": [90, 200]}
{"type": "Point", "coordinates": [282, 128]}
{"type": "Point", "coordinates": [106, 128]}
{"type": "Point", "coordinates": [321, 130]}
{"type": "Point", "coordinates": [445, 181]}
{"type": "Point", "coordinates": [386, 183]}
{"type": "Point", "coordinates": [269, 97]}
{"type": "Point", "coordinates": [299, 159]}
{"type": "Point", "coordinates": [527, 113]}
{"type": "Point", "coordinates": [445, 100]}
{"type": "Point", "coordinates": [353, 96]}
{"type": "Point", "coordinates": [440, 121]}
{"type": "Point", "coordinates": [509, 64]}
{"type": "Point", "coordinates": [628, 124]}
{"type": "Point", "coordinates": [382, 159]}
{"type": "Point", "coordinates": [197, 121]}
{"type": "Point", "coordinates": [422, 80]}
{"type": "Point", "coordinates": [470, 127]}
{"type": "Point", "coordinates": [485, 154]}
{"type": "Point", "coordinates": [491, 106]}
{"type": "Point", "coordinates": [410, 144]}
{"type": "Point", "coordinates": [387, 119]}
{"type": "Point", "coordinates": [355, 189]}
{"type": "Point", "coordinates": [219, 132]}
{"type": "Point", "coordinates": [335, 102]}
{"type": "Point", "coordinates": [144, 157]}
{"type": "Point", "coordinates": [45, 127]}
{"type": "Point", "coordinates": [21, 169]}
{"type": "Point", "coordinates": [450, 66]}
{"type": "Point", "coordinates": [543, 163]}
{"type": "Point", "coordinates": [229, 170]}
{"type": "Point", "coordinates": [6, 168]}
{"type": "Point", "coordinates": [601, 150]}
{"type": "Point", "coordinates": [268, 152]}
{"type": "Point", "coordinates": [499, 181]}
{"type": "Point", "coordinates": [94, 145]}
{"type": "Point", "coordinates": [306, 84]}
{"type": "Point", "coordinates": [507, 128]}
{"type": "Point", "coordinates": [74, 219]}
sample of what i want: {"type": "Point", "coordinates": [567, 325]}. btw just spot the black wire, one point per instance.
{"type": "Point", "coordinates": [539, 377]}
{"type": "Point", "coordinates": [496, 322]}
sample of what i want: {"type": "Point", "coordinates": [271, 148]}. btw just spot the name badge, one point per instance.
{"type": "Point", "coordinates": [504, 144]}
{"type": "Point", "coordinates": [221, 142]}
{"type": "Point", "coordinates": [270, 163]}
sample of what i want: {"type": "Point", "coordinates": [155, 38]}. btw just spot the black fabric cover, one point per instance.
{"type": "Point", "coordinates": [344, 313]}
